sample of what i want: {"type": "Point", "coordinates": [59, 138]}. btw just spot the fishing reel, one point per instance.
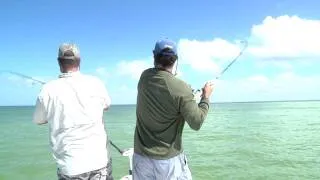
{"type": "Point", "coordinates": [197, 94]}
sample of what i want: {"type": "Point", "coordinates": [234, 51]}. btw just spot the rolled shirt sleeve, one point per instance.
{"type": "Point", "coordinates": [107, 99]}
{"type": "Point", "coordinates": [105, 95]}
{"type": "Point", "coordinates": [39, 113]}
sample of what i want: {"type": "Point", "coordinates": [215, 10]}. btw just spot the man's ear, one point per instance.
{"type": "Point", "coordinates": [59, 62]}
{"type": "Point", "coordinates": [154, 60]}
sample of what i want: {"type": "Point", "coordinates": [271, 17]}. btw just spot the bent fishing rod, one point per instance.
{"type": "Point", "coordinates": [245, 45]}
{"type": "Point", "coordinates": [42, 83]}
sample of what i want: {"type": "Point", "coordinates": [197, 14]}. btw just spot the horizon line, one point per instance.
{"type": "Point", "coordinates": [221, 102]}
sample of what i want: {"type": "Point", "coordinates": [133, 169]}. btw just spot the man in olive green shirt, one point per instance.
{"type": "Point", "coordinates": [164, 104]}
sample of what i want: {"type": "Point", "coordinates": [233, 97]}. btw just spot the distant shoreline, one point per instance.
{"type": "Point", "coordinates": [266, 101]}
{"type": "Point", "coordinates": [226, 102]}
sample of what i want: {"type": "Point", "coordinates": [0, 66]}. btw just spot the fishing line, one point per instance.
{"type": "Point", "coordinates": [42, 83]}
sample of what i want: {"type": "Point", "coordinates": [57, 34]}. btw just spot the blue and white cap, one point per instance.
{"type": "Point", "coordinates": [165, 47]}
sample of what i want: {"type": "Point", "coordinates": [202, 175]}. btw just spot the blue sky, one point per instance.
{"type": "Point", "coordinates": [116, 39]}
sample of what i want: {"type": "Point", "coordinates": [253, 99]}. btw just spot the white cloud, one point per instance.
{"type": "Point", "coordinates": [102, 72]}
{"type": "Point", "coordinates": [133, 68]}
{"type": "Point", "coordinates": [285, 65]}
{"type": "Point", "coordinates": [285, 86]}
{"type": "Point", "coordinates": [21, 81]}
{"type": "Point", "coordinates": [124, 95]}
{"type": "Point", "coordinates": [206, 55]}
{"type": "Point", "coordinates": [24, 80]}
{"type": "Point", "coordinates": [285, 37]}
{"type": "Point", "coordinates": [124, 88]}
{"type": "Point", "coordinates": [276, 39]}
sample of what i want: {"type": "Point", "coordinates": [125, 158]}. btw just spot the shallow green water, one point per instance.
{"type": "Point", "coordinates": [269, 140]}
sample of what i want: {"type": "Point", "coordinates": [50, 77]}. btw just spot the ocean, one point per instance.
{"type": "Point", "coordinates": [256, 140]}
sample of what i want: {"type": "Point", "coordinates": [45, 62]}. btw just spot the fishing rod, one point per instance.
{"type": "Point", "coordinates": [27, 77]}
{"type": "Point", "coordinates": [42, 83]}
{"type": "Point", "coordinates": [245, 45]}
{"type": "Point", "coordinates": [116, 147]}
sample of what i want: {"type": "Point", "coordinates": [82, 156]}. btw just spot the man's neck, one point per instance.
{"type": "Point", "coordinates": [164, 69]}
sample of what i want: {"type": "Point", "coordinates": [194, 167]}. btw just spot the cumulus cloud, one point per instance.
{"type": "Point", "coordinates": [124, 94]}
{"type": "Point", "coordinates": [285, 37]}
{"type": "Point", "coordinates": [27, 81]}
{"type": "Point", "coordinates": [21, 81]}
{"type": "Point", "coordinates": [276, 39]}
{"type": "Point", "coordinates": [284, 86]}
{"type": "Point", "coordinates": [133, 68]}
{"type": "Point", "coordinates": [285, 65]}
{"type": "Point", "coordinates": [103, 72]}
{"type": "Point", "coordinates": [206, 55]}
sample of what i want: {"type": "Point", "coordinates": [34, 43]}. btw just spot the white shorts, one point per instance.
{"type": "Point", "coordinates": [145, 168]}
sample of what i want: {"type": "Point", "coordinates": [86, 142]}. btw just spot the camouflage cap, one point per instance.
{"type": "Point", "coordinates": [68, 51]}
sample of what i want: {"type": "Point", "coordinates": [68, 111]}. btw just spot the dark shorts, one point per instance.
{"type": "Point", "coordinates": [100, 174]}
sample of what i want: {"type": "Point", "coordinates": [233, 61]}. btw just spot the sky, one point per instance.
{"type": "Point", "coordinates": [116, 39]}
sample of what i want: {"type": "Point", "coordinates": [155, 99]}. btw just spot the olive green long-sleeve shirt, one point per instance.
{"type": "Point", "coordinates": [164, 104]}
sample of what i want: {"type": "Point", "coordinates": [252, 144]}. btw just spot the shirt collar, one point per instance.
{"type": "Point", "coordinates": [69, 74]}
{"type": "Point", "coordinates": [162, 69]}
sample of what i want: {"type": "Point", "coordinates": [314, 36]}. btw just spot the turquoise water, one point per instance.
{"type": "Point", "coordinates": [269, 140]}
